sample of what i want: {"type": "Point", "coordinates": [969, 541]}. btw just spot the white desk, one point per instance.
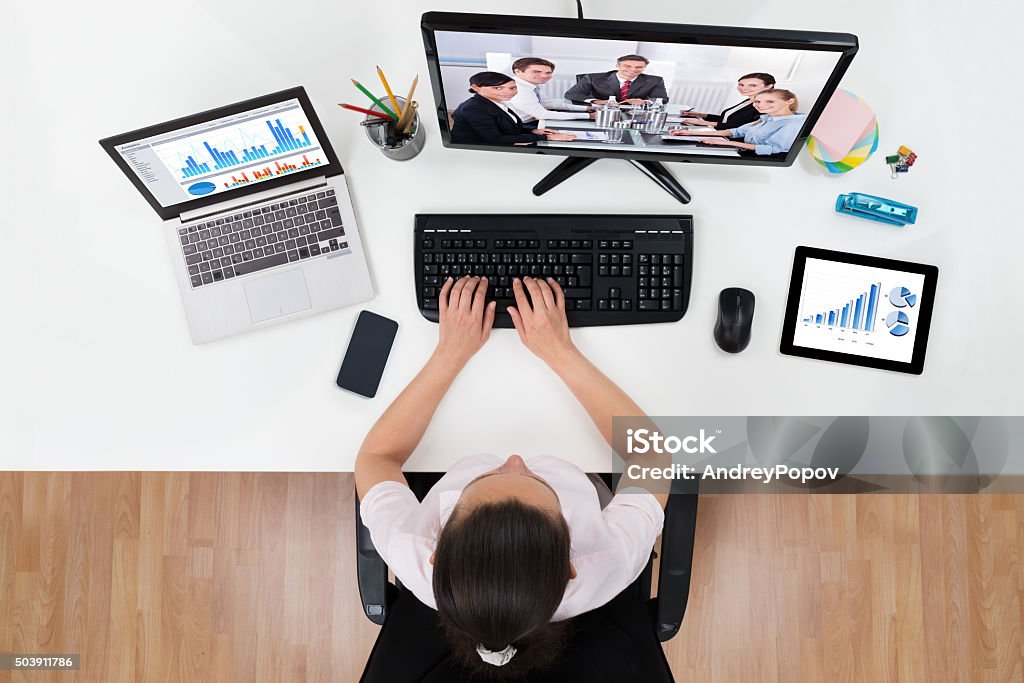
{"type": "Point", "coordinates": [98, 371]}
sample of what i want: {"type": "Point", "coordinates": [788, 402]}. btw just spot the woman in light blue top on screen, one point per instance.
{"type": "Point", "coordinates": [774, 133]}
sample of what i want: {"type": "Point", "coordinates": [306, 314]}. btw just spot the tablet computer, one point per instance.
{"type": "Point", "coordinates": [858, 309]}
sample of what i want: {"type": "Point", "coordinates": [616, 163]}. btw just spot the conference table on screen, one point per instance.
{"type": "Point", "coordinates": [634, 138]}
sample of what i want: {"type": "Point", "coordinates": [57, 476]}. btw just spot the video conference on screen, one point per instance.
{"type": "Point", "coordinates": [557, 105]}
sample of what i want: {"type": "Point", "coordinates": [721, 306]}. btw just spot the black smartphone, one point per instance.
{"type": "Point", "coordinates": [367, 354]}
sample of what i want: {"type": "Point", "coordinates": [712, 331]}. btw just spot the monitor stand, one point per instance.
{"type": "Point", "coordinates": [654, 170]}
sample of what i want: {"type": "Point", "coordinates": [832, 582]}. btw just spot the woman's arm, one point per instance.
{"type": "Point", "coordinates": [543, 328]}
{"type": "Point", "coordinates": [465, 325]}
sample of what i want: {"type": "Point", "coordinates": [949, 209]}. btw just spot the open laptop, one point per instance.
{"type": "Point", "coordinates": [256, 213]}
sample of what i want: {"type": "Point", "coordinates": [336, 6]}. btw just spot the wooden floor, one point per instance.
{"type": "Point", "coordinates": [250, 577]}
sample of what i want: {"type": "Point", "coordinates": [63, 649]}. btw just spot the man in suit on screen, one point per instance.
{"type": "Point", "coordinates": [627, 83]}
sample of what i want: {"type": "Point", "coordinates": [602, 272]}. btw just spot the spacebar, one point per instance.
{"type": "Point", "coordinates": [246, 267]}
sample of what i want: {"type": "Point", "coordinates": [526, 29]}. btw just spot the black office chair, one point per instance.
{"type": "Point", "coordinates": [620, 641]}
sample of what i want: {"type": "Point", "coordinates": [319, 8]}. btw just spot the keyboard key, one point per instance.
{"type": "Point", "coordinates": [196, 281]}
{"type": "Point", "coordinates": [335, 216]}
{"type": "Point", "coordinates": [330, 193]}
{"type": "Point", "coordinates": [207, 278]}
{"type": "Point", "coordinates": [314, 249]}
{"type": "Point", "coordinates": [260, 264]}
{"type": "Point", "coordinates": [293, 255]}
{"type": "Point", "coordinates": [303, 252]}
{"type": "Point", "coordinates": [218, 276]}
{"type": "Point", "coordinates": [648, 305]}
{"type": "Point", "coordinates": [338, 232]}
{"type": "Point", "coordinates": [584, 258]}
{"type": "Point", "coordinates": [229, 272]}
{"type": "Point", "coordinates": [193, 270]}
{"type": "Point", "coordinates": [189, 249]}
{"type": "Point", "coordinates": [327, 202]}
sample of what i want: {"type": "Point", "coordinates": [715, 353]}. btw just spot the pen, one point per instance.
{"type": "Point", "coordinates": [375, 100]}
{"type": "Point", "coordinates": [369, 112]}
{"type": "Point", "coordinates": [387, 87]}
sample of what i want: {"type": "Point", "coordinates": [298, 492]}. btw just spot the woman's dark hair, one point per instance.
{"type": "Point", "coordinates": [500, 571]}
{"type": "Point", "coordinates": [488, 78]}
{"type": "Point", "coordinates": [767, 79]}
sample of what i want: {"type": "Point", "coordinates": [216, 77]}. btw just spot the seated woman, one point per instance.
{"type": "Point", "coordinates": [505, 549]}
{"type": "Point", "coordinates": [485, 118]}
{"type": "Point", "coordinates": [738, 114]}
{"type": "Point", "coordinates": [774, 133]}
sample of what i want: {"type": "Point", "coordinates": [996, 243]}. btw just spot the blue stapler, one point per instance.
{"type": "Point", "coordinates": [876, 209]}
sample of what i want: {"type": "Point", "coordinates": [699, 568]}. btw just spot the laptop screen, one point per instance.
{"type": "Point", "coordinates": [231, 152]}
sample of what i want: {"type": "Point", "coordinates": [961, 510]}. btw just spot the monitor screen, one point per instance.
{"type": "Point", "coordinates": [595, 88]}
{"type": "Point", "coordinates": [230, 151]}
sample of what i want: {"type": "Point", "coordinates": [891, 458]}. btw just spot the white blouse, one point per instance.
{"type": "Point", "coordinates": [609, 547]}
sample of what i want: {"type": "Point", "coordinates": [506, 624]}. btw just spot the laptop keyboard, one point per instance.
{"type": "Point", "coordinates": [262, 237]}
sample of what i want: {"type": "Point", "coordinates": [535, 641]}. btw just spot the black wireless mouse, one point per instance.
{"type": "Point", "coordinates": [735, 316]}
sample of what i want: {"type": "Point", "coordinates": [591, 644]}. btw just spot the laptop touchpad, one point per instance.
{"type": "Point", "coordinates": [276, 295]}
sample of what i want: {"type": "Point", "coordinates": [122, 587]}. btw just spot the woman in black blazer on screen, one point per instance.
{"type": "Point", "coordinates": [741, 113]}
{"type": "Point", "coordinates": [485, 119]}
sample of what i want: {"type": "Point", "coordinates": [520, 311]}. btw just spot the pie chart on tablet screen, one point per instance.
{"type": "Point", "coordinates": [901, 297]}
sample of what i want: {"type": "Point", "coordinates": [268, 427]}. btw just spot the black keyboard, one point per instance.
{"type": "Point", "coordinates": [281, 232]}
{"type": "Point", "coordinates": [615, 269]}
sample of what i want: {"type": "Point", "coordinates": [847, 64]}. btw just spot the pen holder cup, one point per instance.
{"type": "Point", "coordinates": [606, 118]}
{"type": "Point", "coordinates": [393, 143]}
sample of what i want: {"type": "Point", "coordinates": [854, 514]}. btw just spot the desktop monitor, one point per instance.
{"type": "Point", "coordinates": [562, 73]}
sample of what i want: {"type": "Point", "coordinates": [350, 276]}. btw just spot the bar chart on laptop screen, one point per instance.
{"type": "Point", "coordinates": [858, 309]}
{"type": "Point", "coordinates": [240, 150]}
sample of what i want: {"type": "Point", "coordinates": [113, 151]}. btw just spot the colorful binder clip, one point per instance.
{"type": "Point", "coordinates": [901, 161]}
{"type": "Point", "coordinates": [876, 209]}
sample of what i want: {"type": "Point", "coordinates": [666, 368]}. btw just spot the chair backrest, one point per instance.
{"type": "Point", "coordinates": [411, 645]}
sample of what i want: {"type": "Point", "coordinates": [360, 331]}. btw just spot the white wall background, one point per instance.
{"type": "Point", "coordinates": [95, 361]}
{"type": "Point", "coordinates": [700, 76]}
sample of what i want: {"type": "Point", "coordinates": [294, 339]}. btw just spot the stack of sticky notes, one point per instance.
{"type": "Point", "coordinates": [845, 135]}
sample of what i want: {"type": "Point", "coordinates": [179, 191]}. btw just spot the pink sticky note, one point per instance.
{"type": "Point", "coordinates": [842, 123]}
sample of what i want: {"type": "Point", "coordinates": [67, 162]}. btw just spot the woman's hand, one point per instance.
{"type": "Point", "coordinates": [697, 121]}
{"type": "Point", "coordinates": [683, 131]}
{"type": "Point", "coordinates": [563, 137]}
{"type": "Point", "coordinates": [719, 141]}
{"type": "Point", "coordinates": [540, 319]}
{"type": "Point", "coordinates": [465, 321]}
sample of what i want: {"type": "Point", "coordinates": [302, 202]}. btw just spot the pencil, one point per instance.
{"type": "Point", "coordinates": [404, 119]}
{"type": "Point", "coordinates": [370, 112]}
{"type": "Point", "coordinates": [387, 87]}
{"type": "Point", "coordinates": [375, 100]}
